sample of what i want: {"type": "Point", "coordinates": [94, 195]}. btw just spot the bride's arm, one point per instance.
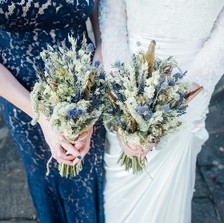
{"type": "Point", "coordinates": [208, 65]}
{"type": "Point", "coordinates": [113, 26]}
{"type": "Point", "coordinates": [94, 18]}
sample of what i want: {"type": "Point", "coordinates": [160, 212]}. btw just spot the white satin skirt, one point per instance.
{"type": "Point", "coordinates": [163, 192]}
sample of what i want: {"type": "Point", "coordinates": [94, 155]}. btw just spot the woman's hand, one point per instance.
{"type": "Point", "coordinates": [132, 150]}
{"type": "Point", "coordinates": [82, 145]}
{"type": "Point", "coordinates": [57, 146]}
{"type": "Point", "coordinates": [62, 150]}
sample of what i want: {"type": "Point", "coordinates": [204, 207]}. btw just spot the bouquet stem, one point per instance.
{"type": "Point", "coordinates": [136, 164]}
{"type": "Point", "coordinates": [66, 170]}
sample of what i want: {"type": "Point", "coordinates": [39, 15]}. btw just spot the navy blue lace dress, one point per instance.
{"type": "Point", "coordinates": [26, 27]}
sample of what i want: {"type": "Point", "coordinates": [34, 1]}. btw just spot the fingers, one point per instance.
{"type": "Point", "coordinates": [133, 150]}
{"type": "Point", "coordinates": [59, 154]}
{"type": "Point", "coordinates": [83, 137]}
{"type": "Point", "coordinates": [85, 148]}
{"type": "Point", "coordinates": [82, 153]}
{"type": "Point", "coordinates": [79, 145]}
{"type": "Point", "coordinates": [78, 158]}
{"type": "Point", "coordinates": [65, 152]}
{"type": "Point", "coordinates": [70, 149]}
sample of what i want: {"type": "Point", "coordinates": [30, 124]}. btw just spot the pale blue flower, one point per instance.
{"type": "Point", "coordinates": [75, 113]}
{"type": "Point", "coordinates": [171, 83]}
{"type": "Point", "coordinates": [97, 63]}
{"type": "Point", "coordinates": [142, 109]}
{"type": "Point", "coordinates": [181, 99]}
{"type": "Point", "coordinates": [177, 76]}
{"type": "Point", "coordinates": [79, 112]}
{"type": "Point", "coordinates": [117, 64]}
{"type": "Point", "coordinates": [70, 113]}
{"type": "Point", "coordinates": [148, 116]}
{"type": "Point", "coordinates": [103, 76]}
{"type": "Point", "coordinates": [165, 108]}
{"type": "Point", "coordinates": [90, 48]}
{"type": "Point", "coordinates": [51, 108]}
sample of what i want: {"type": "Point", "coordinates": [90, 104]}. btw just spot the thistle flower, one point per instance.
{"type": "Point", "coordinates": [70, 113]}
{"type": "Point", "coordinates": [141, 109]}
{"type": "Point", "coordinates": [177, 76]}
{"type": "Point", "coordinates": [90, 48]}
{"type": "Point", "coordinates": [97, 63]}
{"type": "Point", "coordinates": [148, 116]}
{"type": "Point", "coordinates": [171, 83]}
{"type": "Point", "coordinates": [165, 108]}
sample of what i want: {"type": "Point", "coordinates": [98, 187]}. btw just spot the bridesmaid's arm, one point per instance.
{"type": "Point", "coordinates": [208, 65]}
{"type": "Point", "coordinates": [15, 93]}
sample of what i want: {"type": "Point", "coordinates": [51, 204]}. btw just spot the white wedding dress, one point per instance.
{"type": "Point", "coordinates": [192, 31]}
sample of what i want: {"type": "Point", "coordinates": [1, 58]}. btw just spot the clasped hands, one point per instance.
{"type": "Point", "coordinates": [62, 150]}
{"type": "Point", "coordinates": [71, 154]}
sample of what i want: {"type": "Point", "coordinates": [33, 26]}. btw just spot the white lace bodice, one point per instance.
{"type": "Point", "coordinates": [191, 31]}
{"type": "Point", "coordinates": [113, 25]}
{"type": "Point", "coordinates": [179, 19]}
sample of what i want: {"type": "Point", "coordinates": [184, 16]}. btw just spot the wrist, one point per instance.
{"type": "Point", "coordinates": [98, 54]}
{"type": "Point", "coordinates": [42, 121]}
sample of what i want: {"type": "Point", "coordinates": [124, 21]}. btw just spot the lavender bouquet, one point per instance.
{"type": "Point", "coordinates": [145, 100]}
{"type": "Point", "coordinates": [69, 93]}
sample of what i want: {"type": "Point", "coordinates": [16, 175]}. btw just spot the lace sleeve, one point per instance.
{"type": "Point", "coordinates": [113, 25]}
{"type": "Point", "coordinates": [208, 65]}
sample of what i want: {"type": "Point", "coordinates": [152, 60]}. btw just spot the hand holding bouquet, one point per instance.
{"type": "Point", "coordinates": [145, 100]}
{"type": "Point", "coordinates": [69, 94]}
